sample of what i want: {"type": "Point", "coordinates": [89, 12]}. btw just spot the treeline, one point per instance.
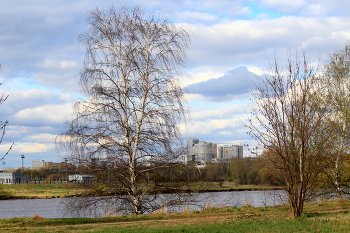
{"type": "Point", "coordinates": [245, 171]}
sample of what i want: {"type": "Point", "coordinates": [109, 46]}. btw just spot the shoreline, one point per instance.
{"type": "Point", "coordinates": [159, 192]}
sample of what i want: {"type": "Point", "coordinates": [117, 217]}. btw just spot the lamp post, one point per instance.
{"type": "Point", "coordinates": [66, 160]}
{"type": "Point", "coordinates": [22, 156]}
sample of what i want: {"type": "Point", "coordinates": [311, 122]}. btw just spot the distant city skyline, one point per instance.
{"type": "Point", "coordinates": [201, 151]}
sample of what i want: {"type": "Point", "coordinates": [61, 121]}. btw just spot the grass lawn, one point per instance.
{"type": "Point", "coordinates": [326, 216]}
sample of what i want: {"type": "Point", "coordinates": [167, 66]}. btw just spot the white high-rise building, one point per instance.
{"type": "Point", "coordinates": [201, 151]}
{"type": "Point", "coordinates": [229, 151]}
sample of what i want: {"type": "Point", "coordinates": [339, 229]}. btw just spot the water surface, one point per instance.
{"type": "Point", "coordinates": [55, 208]}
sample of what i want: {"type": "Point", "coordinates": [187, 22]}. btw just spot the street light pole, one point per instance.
{"type": "Point", "coordinates": [22, 156]}
{"type": "Point", "coordinates": [66, 160]}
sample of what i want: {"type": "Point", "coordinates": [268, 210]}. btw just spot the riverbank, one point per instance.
{"type": "Point", "coordinates": [47, 191]}
{"type": "Point", "coordinates": [326, 216]}
{"type": "Point", "coordinates": [39, 191]}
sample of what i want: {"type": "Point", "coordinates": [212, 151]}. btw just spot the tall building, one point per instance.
{"type": "Point", "coordinates": [201, 151]}
{"type": "Point", "coordinates": [228, 151]}
{"type": "Point", "coordinates": [191, 151]}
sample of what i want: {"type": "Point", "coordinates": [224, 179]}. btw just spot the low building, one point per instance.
{"type": "Point", "coordinates": [12, 178]}
{"type": "Point", "coordinates": [81, 178]}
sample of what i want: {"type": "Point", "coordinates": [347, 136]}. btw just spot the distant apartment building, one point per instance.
{"type": "Point", "coordinates": [56, 166]}
{"type": "Point", "coordinates": [41, 164]}
{"type": "Point", "coordinates": [228, 151]}
{"type": "Point", "coordinates": [201, 151]}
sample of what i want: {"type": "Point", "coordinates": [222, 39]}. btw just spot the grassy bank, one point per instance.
{"type": "Point", "coordinates": [327, 216]}
{"type": "Point", "coordinates": [39, 190]}
{"type": "Point", "coordinates": [68, 190]}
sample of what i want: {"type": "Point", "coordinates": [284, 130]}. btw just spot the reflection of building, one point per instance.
{"type": "Point", "coordinates": [12, 178]}
{"type": "Point", "coordinates": [201, 151]}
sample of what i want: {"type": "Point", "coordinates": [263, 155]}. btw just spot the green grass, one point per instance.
{"type": "Point", "coordinates": [250, 225]}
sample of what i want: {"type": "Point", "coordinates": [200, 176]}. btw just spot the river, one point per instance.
{"type": "Point", "coordinates": [55, 208]}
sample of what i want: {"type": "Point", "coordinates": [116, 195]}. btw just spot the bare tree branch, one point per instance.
{"type": "Point", "coordinates": [3, 125]}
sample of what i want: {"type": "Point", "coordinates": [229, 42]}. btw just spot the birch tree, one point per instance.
{"type": "Point", "coordinates": [337, 80]}
{"type": "Point", "coordinates": [134, 101]}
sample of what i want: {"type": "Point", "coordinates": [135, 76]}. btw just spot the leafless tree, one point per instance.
{"type": "Point", "coordinates": [3, 125]}
{"type": "Point", "coordinates": [129, 122]}
{"type": "Point", "coordinates": [287, 121]}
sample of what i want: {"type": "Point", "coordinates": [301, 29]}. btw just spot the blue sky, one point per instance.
{"type": "Point", "coordinates": [232, 43]}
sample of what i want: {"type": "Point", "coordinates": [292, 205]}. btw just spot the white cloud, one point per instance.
{"type": "Point", "coordinates": [51, 64]}
{"type": "Point", "coordinates": [235, 84]}
{"type": "Point", "coordinates": [34, 147]}
{"type": "Point", "coordinates": [218, 113]}
{"type": "Point", "coordinates": [41, 138]}
{"type": "Point", "coordinates": [22, 147]}
{"type": "Point", "coordinates": [201, 74]}
{"type": "Point", "coordinates": [47, 114]}
{"type": "Point", "coordinates": [198, 16]}
{"type": "Point", "coordinates": [253, 41]}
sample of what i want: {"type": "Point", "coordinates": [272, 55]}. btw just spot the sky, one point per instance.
{"type": "Point", "coordinates": [232, 44]}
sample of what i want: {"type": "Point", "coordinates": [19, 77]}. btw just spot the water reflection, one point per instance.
{"type": "Point", "coordinates": [55, 208]}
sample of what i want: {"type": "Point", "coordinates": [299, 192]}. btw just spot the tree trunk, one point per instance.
{"type": "Point", "coordinates": [296, 202]}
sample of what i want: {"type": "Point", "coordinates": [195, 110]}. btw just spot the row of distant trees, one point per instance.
{"type": "Point", "coordinates": [246, 171]}
{"type": "Point", "coordinates": [239, 171]}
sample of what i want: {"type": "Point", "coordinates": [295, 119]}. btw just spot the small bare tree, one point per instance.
{"type": "Point", "coordinates": [128, 125]}
{"type": "Point", "coordinates": [288, 121]}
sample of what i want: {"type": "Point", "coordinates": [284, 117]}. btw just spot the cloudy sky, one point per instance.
{"type": "Point", "coordinates": [233, 42]}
